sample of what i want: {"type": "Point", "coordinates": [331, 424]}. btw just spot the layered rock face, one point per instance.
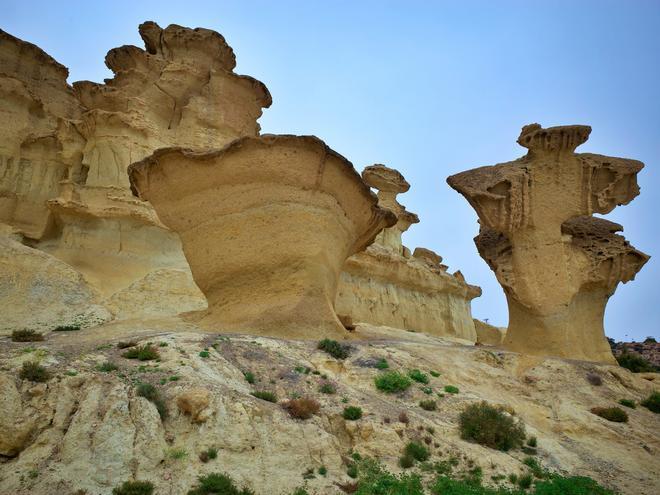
{"type": "Point", "coordinates": [64, 153]}
{"type": "Point", "coordinates": [558, 265]}
{"type": "Point", "coordinates": [386, 285]}
{"type": "Point", "coordinates": [266, 225]}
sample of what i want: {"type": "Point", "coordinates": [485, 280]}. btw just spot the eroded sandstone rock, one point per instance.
{"type": "Point", "coordinates": [385, 285]}
{"type": "Point", "coordinates": [65, 150]}
{"type": "Point", "coordinates": [558, 265]}
{"type": "Point", "coordinates": [266, 224]}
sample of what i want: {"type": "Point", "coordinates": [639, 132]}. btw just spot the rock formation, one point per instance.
{"type": "Point", "coordinates": [558, 265]}
{"type": "Point", "coordinates": [266, 225]}
{"type": "Point", "coordinates": [385, 285]}
{"type": "Point", "coordinates": [64, 153]}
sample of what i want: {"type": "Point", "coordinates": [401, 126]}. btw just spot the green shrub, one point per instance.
{"type": "Point", "coordinates": [576, 485]}
{"type": "Point", "coordinates": [635, 362]}
{"type": "Point", "coordinates": [532, 442]}
{"type": "Point", "coordinates": [525, 481]}
{"type": "Point", "coordinates": [33, 371]}
{"type": "Point", "coordinates": [107, 367]}
{"type": "Point", "coordinates": [208, 454]}
{"type": "Point", "coordinates": [125, 344]}
{"type": "Point", "coordinates": [352, 470]}
{"type": "Point", "coordinates": [334, 348]}
{"type": "Point", "coordinates": [352, 413]}
{"type": "Point", "coordinates": [652, 402]}
{"type": "Point", "coordinates": [217, 484]}
{"type": "Point", "coordinates": [614, 414]}
{"type": "Point", "coordinates": [406, 462]}
{"type": "Point", "coordinates": [67, 328]}
{"type": "Point", "coordinates": [628, 403]}
{"type": "Point", "coordinates": [535, 467]}
{"type": "Point", "coordinates": [204, 354]}
{"type": "Point", "coordinates": [265, 395]}
{"type": "Point", "coordinates": [428, 405]}
{"type": "Point", "coordinates": [177, 454]}
{"type": "Point", "coordinates": [300, 491]}
{"type": "Point", "coordinates": [392, 381]}
{"type": "Point", "coordinates": [26, 336]}
{"type": "Point", "coordinates": [382, 364]}
{"type": "Point", "coordinates": [327, 388]}
{"type": "Point", "coordinates": [450, 389]}
{"type": "Point", "coordinates": [323, 470]}
{"type": "Point", "coordinates": [142, 353]}
{"type": "Point", "coordinates": [134, 488]}
{"type": "Point", "coordinates": [434, 374]}
{"type": "Point", "coordinates": [249, 377]}
{"type": "Point", "coordinates": [417, 451]}
{"type": "Point", "coordinates": [418, 376]}
{"type": "Point", "coordinates": [490, 426]}
{"type": "Point", "coordinates": [374, 480]}
{"type": "Point", "coordinates": [152, 394]}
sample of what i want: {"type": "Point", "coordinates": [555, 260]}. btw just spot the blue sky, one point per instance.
{"type": "Point", "coordinates": [429, 88]}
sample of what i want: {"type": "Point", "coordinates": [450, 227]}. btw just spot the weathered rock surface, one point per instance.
{"type": "Point", "coordinates": [64, 153]}
{"type": "Point", "coordinates": [266, 225]}
{"type": "Point", "coordinates": [92, 432]}
{"type": "Point", "coordinates": [557, 264]}
{"type": "Point", "coordinates": [385, 285]}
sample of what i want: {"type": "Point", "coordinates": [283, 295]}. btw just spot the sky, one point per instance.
{"type": "Point", "coordinates": [430, 88]}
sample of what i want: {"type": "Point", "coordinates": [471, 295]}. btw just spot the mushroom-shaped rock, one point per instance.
{"type": "Point", "coordinates": [266, 224]}
{"type": "Point", "coordinates": [390, 183]}
{"type": "Point", "coordinates": [557, 264]}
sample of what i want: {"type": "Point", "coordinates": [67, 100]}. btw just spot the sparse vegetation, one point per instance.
{"type": "Point", "coordinates": [417, 451]}
{"type": "Point", "coordinates": [418, 376]}
{"type": "Point", "coordinates": [26, 336]}
{"type": "Point", "coordinates": [177, 454]}
{"type": "Point", "coordinates": [208, 454]}
{"type": "Point", "coordinates": [451, 389]}
{"type": "Point", "coordinates": [525, 481]}
{"type": "Point", "coordinates": [491, 426]}
{"type": "Point", "coordinates": [142, 353]}
{"type": "Point", "coordinates": [265, 395]}
{"type": "Point", "coordinates": [535, 467]}
{"type": "Point", "coordinates": [635, 362]}
{"type": "Point", "coordinates": [217, 484]}
{"type": "Point", "coordinates": [107, 367]}
{"type": "Point", "coordinates": [352, 413]}
{"type": "Point", "coordinates": [249, 377]}
{"type": "Point", "coordinates": [652, 402]}
{"type": "Point", "coordinates": [392, 381]}
{"type": "Point", "coordinates": [628, 403]}
{"type": "Point", "coordinates": [428, 405]}
{"type": "Point", "coordinates": [375, 480]}
{"type": "Point", "coordinates": [303, 408]}
{"type": "Point", "coordinates": [382, 364]}
{"type": "Point", "coordinates": [33, 371]}
{"type": "Point", "coordinates": [327, 388]}
{"type": "Point", "coordinates": [134, 488]}
{"type": "Point", "coordinates": [532, 442]}
{"type": "Point", "coordinates": [125, 344]}
{"type": "Point", "coordinates": [406, 461]}
{"type": "Point", "coordinates": [67, 328]}
{"type": "Point", "coordinates": [334, 348]}
{"type": "Point", "coordinates": [614, 414]}
{"type": "Point", "coordinates": [152, 394]}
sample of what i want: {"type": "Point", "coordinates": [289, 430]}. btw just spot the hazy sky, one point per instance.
{"type": "Point", "coordinates": [429, 88]}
